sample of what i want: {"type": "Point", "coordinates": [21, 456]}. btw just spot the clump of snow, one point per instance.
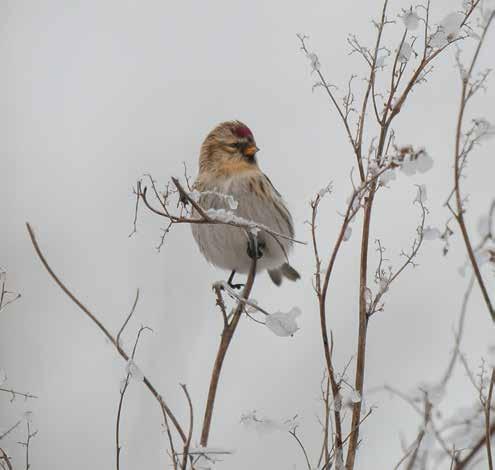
{"type": "Point", "coordinates": [419, 162]}
{"type": "Point", "coordinates": [283, 324]}
{"type": "Point", "coordinates": [387, 176]}
{"type": "Point", "coordinates": [483, 226]}
{"type": "Point", "coordinates": [410, 20]}
{"type": "Point", "coordinates": [351, 397]}
{"type": "Point", "coordinates": [347, 233]}
{"type": "Point", "coordinates": [448, 30]}
{"type": "Point", "coordinates": [431, 233]}
{"type": "Point", "coordinates": [134, 371]}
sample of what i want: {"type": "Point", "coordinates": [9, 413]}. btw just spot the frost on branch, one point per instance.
{"type": "Point", "coordinates": [314, 61]}
{"type": "Point", "coordinates": [264, 425]}
{"type": "Point", "coordinates": [326, 190]}
{"type": "Point", "coordinates": [483, 130]}
{"type": "Point", "coordinates": [283, 324]}
{"type": "Point", "coordinates": [134, 371]}
{"type": "Point", "coordinates": [229, 199]}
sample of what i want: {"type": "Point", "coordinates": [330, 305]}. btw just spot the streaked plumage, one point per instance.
{"type": "Point", "coordinates": [227, 165]}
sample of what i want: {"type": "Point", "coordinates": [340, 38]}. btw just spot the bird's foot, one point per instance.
{"type": "Point", "coordinates": [236, 286]}
{"type": "Point", "coordinates": [231, 284]}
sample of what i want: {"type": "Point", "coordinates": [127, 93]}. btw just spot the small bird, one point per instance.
{"type": "Point", "coordinates": [229, 172]}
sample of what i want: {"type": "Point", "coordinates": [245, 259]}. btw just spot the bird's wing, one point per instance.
{"type": "Point", "coordinates": [281, 206]}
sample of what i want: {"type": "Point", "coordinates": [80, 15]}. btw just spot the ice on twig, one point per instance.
{"type": "Point", "coordinates": [421, 195]}
{"type": "Point", "coordinates": [405, 52]}
{"type": "Point", "coordinates": [431, 233]}
{"type": "Point", "coordinates": [491, 355]}
{"type": "Point", "coordinates": [434, 391]}
{"type": "Point", "coordinates": [314, 61]}
{"type": "Point", "coordinates": [351, 398]}
{"type": "Point", "coordinates": [410, 20]}
{"type": "Point", "coordinates": [337, 402]}
{"type": "Point", "coordinates": [339, 459]}
{"type": "Point", "coordinates": [229, 199]}
{"type": "Point", "coordinates": [380, 61]}
{"type": "Point", "coordinates": [326, 190]}
{"type": "Point", "coordinates": [483, 226]}
{"type": "Point", "coordinates": [355, 202]}
{"type": "Point", "coordinates": [28, 416]}
{"type": "Point", "coordinates": [283, 324]}
{"type": "Point", "coordinates": [347, 233]}
{"type": "Point", "coordinates": [134, 371]}
{"type": "Point", "coordinates": [482, 257]}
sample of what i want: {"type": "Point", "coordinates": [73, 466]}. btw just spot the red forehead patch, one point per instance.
{"type": "Point", "coordinates": [242, 131]}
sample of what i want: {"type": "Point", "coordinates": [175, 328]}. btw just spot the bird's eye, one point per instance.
{"type": "Point", "coordinates": [235, 145]}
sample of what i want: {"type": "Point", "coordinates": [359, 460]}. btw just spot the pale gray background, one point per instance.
{"type": "Point", "coordinates": [94, 94]}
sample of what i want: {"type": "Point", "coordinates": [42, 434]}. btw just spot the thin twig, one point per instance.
{"type": "Point", "coordinates": [163, 406]}
{"type": "Point", "coordinates": [189, 434]}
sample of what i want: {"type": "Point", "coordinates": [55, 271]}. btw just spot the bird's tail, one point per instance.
{"type": "Point", "coordinates": [286, 270]}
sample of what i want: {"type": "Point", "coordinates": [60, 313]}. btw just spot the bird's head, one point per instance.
{"type": "Point", "coordinates": [229, 147]}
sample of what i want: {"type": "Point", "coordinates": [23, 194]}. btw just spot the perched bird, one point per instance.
{"type": "Point", "coordinates": [228, 167]}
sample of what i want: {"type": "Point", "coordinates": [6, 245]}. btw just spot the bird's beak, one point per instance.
{"type": "Point", "coordinates": [251, 150]}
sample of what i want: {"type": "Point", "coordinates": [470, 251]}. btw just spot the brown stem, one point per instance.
{"type": "Point", "coordinates": [6, 459]}
{"type": "Point", "coordinates": [363, 325]}
{"type": "Point", "coordinates": [463, 463]}
{"type": "Point", "coordinates": [227, 334]}
{"type": "Point", "coordinates": [488, 406]}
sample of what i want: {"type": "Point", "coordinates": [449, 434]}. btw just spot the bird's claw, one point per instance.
{"type": "Point", "coordinates": [236, 286]}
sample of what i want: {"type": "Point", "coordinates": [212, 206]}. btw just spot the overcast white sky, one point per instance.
{"type": "Point", "coordinates": [93, 95]}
